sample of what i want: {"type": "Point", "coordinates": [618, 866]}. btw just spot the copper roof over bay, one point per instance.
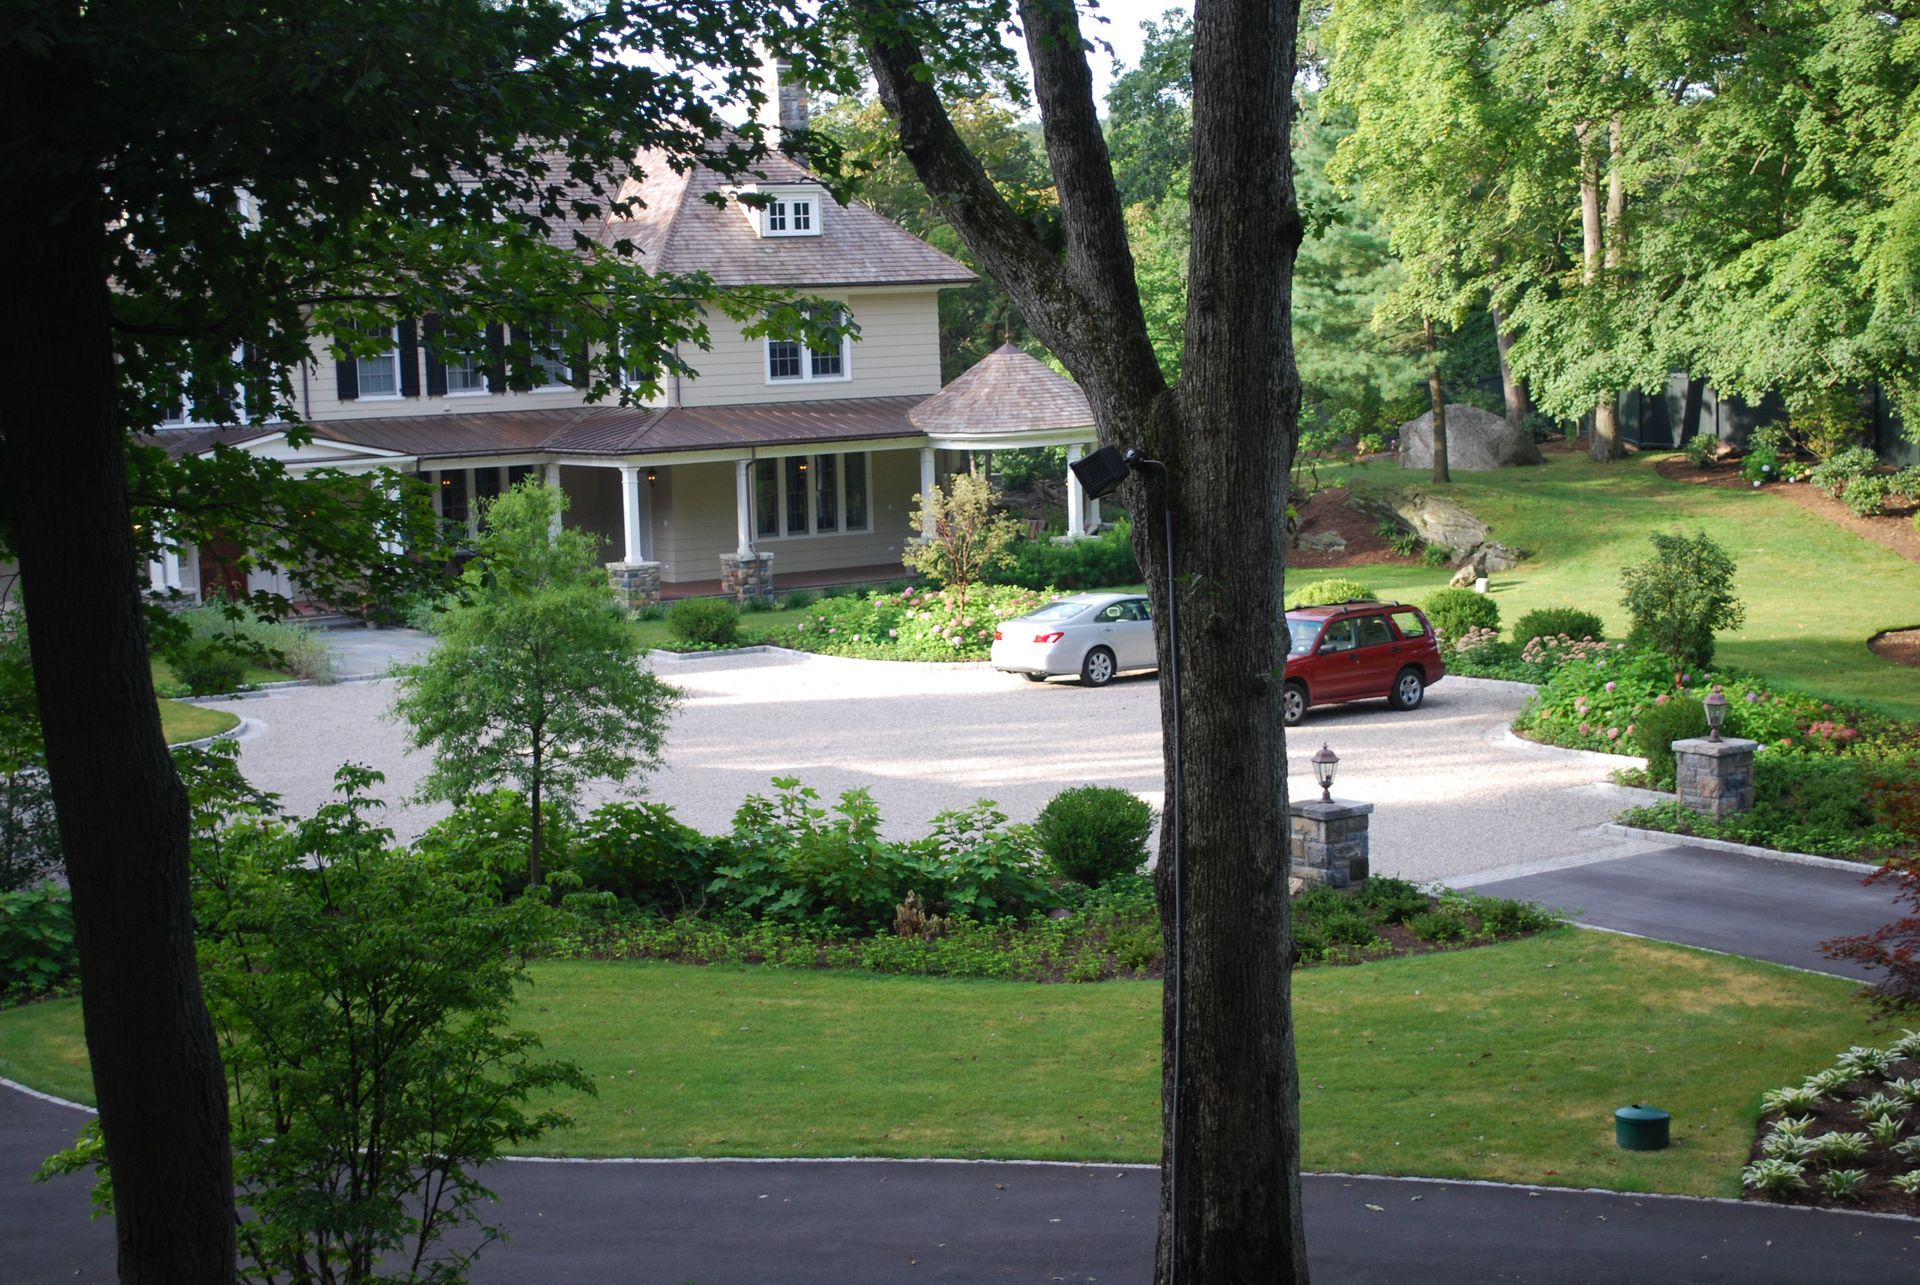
{"type": "Point", "coordinates": [1004, 392]}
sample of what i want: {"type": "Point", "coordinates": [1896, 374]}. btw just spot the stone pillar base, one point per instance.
{"type": "Point", "coordinates": [1714, 777]}
{"type": "Point", "coordinates": [1328, 843]}
{"type": "Point", "coordinates": [635, 584]}
{"type": "Point", "coordinates": [744, 577]}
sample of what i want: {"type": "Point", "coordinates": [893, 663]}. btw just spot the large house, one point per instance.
{"type": "Point", "coordinates": [777, 460]}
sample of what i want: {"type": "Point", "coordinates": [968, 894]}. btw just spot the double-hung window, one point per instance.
{"type": "Point", "coordinates": [797, 495]}
{"type": "Point", "coordinates": [556, 371]}
{"type": "Point", "coordinates": [791, 212]}
{"type": "Point", "coordinates": [380, 376]}
{"type": "Point", "coordinates": [466, 373]}
{"type": "Point", "coordinates": [791, 362]}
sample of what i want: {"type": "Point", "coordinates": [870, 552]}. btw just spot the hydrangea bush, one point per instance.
{"type": "Point", "coordinates": [913, 624]}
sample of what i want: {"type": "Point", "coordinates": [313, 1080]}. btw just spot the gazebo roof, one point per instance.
{"type": "Point", "coordinates": [1006, 393]}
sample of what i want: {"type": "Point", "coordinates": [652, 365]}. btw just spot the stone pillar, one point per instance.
{"type": "Point", "coordinates": [743, 510]}
{"type": "Point", "coordinates": [1329, 841]}
{"type": "Point", "coordinates": [745, 576]}
{"type": "Point", "coordinates": [1714, 777]}
{"type": "Point", "coordinates": [635, 584]}
{"type": "Point", "coordinates": [1076, 496]}
{"type": "Point", "coordinates": [553, 480]}
{"type": "Point", "coordinates": [929, 478]}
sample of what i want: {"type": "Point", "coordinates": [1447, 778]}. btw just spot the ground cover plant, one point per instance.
{"type": "Point", "coordinates": [1502, 1063]}
{"type": "Point", "coordinates": [1847, 1136]}
{"type": "Point", "coordinates": [1813, 592]}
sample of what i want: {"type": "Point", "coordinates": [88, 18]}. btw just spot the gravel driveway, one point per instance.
{"type": "Point", "coordinates": [1454, 794]}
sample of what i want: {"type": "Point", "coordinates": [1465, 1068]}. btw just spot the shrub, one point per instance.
{"type": "Point", "coordinates": [713, 622]}
{"type": "Point", "coordinates": [1323, 593]}
{"type": "Point", "coordinates": [37, 953]}
{"type": "Point", "coordinates": [487, 838]}
{"type": "Point", "coordinates": [1825, 420]}
{"type": "Point", "coordinates": [1502, 918]}
{"type": "Point", "coordinates": [1092, 833]}
{"type": "Point", "coordinates": [1542, 428]}
{"type": "Point", "coordinates": [1866, 497]}
{"type": "Point", "coordinates": [986, 868]}
{"type": "Point", "coordinates": [1551, 622]}
{"type": "Point", "coordinates": [1455, 612]}
{"type": "Point", "coordinates": [208, 668]}
{"type": "Point", "coordinates": [1393, 901]}
{"type": "Point", "coordinates": [1702, 449]}
{"type": "Point", "coordinates": [799, 600]}
{"type": "Point", "coordinates": [1681, 596]}
{"type": "Point", "coordinates": [962, 536]}
{"type": "Point", "coordinates": [640, 853]}
{"type": "Point", "coordinates": [292, 649]}
{"type": "Point", "coordinates": [1440, 926]}
{"type": "Point", "coordinates": [792, 860]}
{"type": "Point", "coordinates": [650, 611]}
{"type": "Point", "coordinates": [1097, 562]}
{"type": "Point", "coordinates": [1834, 474]}
{"type": "Point", "coordinates": [1657, 727]}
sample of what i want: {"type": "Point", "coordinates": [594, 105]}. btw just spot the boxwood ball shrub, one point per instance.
{"type": "Point", "coordinates": [1456, 612]}
{"type": "Point", "coordinates": [1658, 725]}
{"type": "Point", "coordinates": [1092, 833]}
{"type": "Point", "coordinates": [1324, 593]}
{"type": "Point", "coordinates": [711, 621]}
{"type": "Point", "coordinates": [1551, 622]}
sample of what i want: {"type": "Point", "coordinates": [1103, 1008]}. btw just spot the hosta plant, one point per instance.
{"type": "Point", "coordinates": [1793, 1126]}
{"type": "Point", "coordinates": [1828, 1082]}
{"type": "Point", "coordinates": [1774, 1175]}
{"type": "Point", "coordinates": [1842, 1184]}
{"type": "Point", "coordinates": [1877, 1105]}
{"type": "Point", "coordinates": [1838, 1148]}
{"type": "Point", "coordinates": [1886, 1129]}
{"type": "Point", "coordinates": [1862, 1061]}
{"type": "Point", "coordinates": [1907, 1150]}
{"type": "Point", "coordinates": [1908, 1091]}
{"type": "Point", "coordinates": [1907, 1184]}
{"type": "Point", "coordinates": [1908, 1045]}
{"type": "Point", "coordinates": [1788, 1146]}
{"type": "Point", "coordinates": [1801, 1098]}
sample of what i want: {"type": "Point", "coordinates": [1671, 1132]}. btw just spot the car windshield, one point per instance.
{"type": "Point", "coordinates": [1059, 611]}
{"type": "Point", "coordinates": [1300, 636]}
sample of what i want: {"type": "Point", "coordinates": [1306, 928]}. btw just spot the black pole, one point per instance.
{"type": "Point", "coordinates": [1179, 914]}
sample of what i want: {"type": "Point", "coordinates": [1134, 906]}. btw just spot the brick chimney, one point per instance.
{"type": "Point", "coordinates": [785, 111]}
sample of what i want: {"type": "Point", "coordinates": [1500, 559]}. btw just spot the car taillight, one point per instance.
{"type": "Point", "coordinates": [996, 636]}
{"type": "Point", "coordinates": [1053, 637]}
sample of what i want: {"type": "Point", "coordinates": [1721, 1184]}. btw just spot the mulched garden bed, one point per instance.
{"type": "Point", "coordinates": [1880, 1163]}
{"type": "Point", "coordinates": [1892, 530]}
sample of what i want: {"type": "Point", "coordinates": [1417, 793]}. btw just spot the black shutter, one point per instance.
{"type": "Point", "coordinates": [577, 365]}
{"type": "Point", "coordinates": [409, 358]}
{"type": "Point", "coordinates": [496, 358]}
{"type": "Point", "coordinates": [346, 373]}
{"type": "Point", "coordinates": [436, 360]}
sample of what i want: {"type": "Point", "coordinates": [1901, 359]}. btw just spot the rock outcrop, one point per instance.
{"type": "Point", "coordinates": [1442, 523]}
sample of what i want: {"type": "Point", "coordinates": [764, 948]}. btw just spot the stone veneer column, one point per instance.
{"type": "Point", "coordinates": [1714, 777]}
{"type": "Point", "coordinates": [745, 576]}
{"type": "Point", "coordinates": [1329, 841]}
{"type": "Point", "coordinates": [635, 584]}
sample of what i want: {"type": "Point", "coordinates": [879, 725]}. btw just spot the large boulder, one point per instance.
{"type": "Point", "coordinates": [1441, 522]}
{"type": "Point", "coordinates": [1476, 439]}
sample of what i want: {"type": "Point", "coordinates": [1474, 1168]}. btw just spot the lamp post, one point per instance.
{"type": "Point", "coordinates": [1716, 706]}
{"type": "Point", "coordinates": [1324, 761]}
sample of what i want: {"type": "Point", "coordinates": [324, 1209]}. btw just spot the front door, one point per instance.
{"type": "Point", "coordinates": [221, 574]}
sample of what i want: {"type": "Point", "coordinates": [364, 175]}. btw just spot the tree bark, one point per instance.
{"type": "Point", "coordinates": [1519, 401]}
{"type": "Point", "coordinates": [1603, 443]}
{"type": "Point", "coordinates": [1437, 398]}
{"type": "Point", "coordinates": [122, 811]}
{"type": "Point", "coordinates": [1230, 1195]}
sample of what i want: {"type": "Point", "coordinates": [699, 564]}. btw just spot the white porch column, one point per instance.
{"type": "Point", "coordinates": [1076, 497]}
{"type": "Point", "coordinates": [630, 513]}
{"type": "Point", "coordinates": [929, 478]}
{"type": "Point", "coordinates": [170, 566]}
{"type": "Point", "coordinates": [743, 504]}
{"type": "Point", "coordinates": [156, 577]}
{"type": "Point", "coordinates": [551, 477]}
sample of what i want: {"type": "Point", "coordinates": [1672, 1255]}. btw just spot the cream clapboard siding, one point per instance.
{"type": "Point", "coordinates": [321, 399]}
{"type": "Point", "coordinates": [897, 354]}
{"type": "Point", "coordinates": [696, 522]}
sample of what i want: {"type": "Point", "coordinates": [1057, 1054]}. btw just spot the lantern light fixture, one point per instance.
{"type": "Point", "coordinates": [1324, 762]}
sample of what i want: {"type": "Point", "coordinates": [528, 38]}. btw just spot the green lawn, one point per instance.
{"type": "Point", "coordinates": [181, 722]}
{"type": "Point", "coordinates": [1504, 1062]}
{"type": "Point", "coordinates": [1814, 592]}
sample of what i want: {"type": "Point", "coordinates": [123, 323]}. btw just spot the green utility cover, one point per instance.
{"type": "Point", "coordinates": [1641, 1128]}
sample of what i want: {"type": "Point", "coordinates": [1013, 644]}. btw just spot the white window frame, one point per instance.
{"type": "Point", "coordinates": [790, 211]}
{"type": "Point", "coordinates": [474, 362]}
{"type": "Point", "coordinates": [392, 358]}
{"type": "Point", "coordinates": [807, 355]}
{"type": "Point", "coordinates": [781, 508]}
{"type": "Point", "coordinates": [559, 372]}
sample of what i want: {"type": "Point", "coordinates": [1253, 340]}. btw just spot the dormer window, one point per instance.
{"type": "Point", "coordinates": [789, 212]}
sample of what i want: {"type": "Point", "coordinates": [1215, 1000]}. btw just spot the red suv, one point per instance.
{"type": "Point", "coordinates": [1359, 651]}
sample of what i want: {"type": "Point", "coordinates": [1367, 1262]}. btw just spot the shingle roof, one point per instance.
{"type": "Point", "coordinates": [1004, 392]}
{"type": "Point", "coordinates": [680, 231]}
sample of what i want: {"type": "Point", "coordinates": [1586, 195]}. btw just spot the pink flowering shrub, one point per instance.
{"type": "Point", "coordinates": [913, 624]}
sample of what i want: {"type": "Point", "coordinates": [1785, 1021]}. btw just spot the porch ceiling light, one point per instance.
{"type": "Point", "coordinates": [1716, 706]}
{"type": "Point", "coordinates": [1324, 762]}
{"type": "Point", "coordinates": [652, 477]}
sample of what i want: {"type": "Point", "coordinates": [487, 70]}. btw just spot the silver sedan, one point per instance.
{"type": "Point", "coordinates": [1094, 635]}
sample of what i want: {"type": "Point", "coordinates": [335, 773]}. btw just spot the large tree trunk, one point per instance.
{"type": "Point", "coordinates": [1519, 401]}
{"type": "Point", "coordinates": [1437, 398]}
{"type": "Point", "coordinates": [123, 814]}
{"type": "Point", "coordinates": [1230, 1199]}
{"type": "Point", "coordinates": [1603, 443]}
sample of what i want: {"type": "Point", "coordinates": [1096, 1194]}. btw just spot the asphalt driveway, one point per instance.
{"type": "Point", "coordinates": [1454, 794]}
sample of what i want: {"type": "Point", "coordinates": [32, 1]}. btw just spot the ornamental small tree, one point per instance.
{"type": "Point", "coordinates": [537, 680]}
{"type": "Point", "coordinates": [1680, 597]}
{"type": "Point", "coordinates": [961, 535]}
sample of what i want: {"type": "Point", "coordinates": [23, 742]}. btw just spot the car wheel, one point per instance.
{"type": "Point", "coordinates": [1035, 678]}
{"type": "Point", "coordinates": [1408, 689]}
{"type": "Point", "coordinates": [1293, 703]}
{"type": "Point", "coordinates": [1097, 669]}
